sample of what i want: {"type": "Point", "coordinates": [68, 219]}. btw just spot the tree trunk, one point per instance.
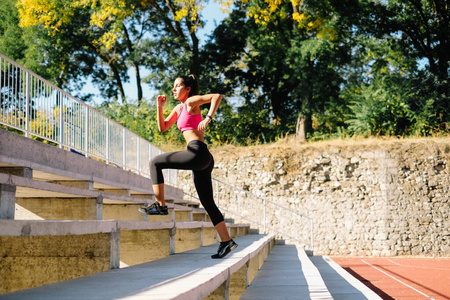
{"type": "Point", "coordinates": [303, 127]}
{"type": "Point", "coordinates": [300, 133]}
{"type": "Point", "coordinates": [130, 48]}
{"type": "Point", "coordinates": [140, 94]}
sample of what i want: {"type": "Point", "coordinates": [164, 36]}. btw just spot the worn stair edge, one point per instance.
{"type": "Point", "coordinates": [316, 285]}
{"type": "Point", "coordinates": [288, 275]}
{"type": "Point", "coordinates": [64, 227]}
{"type": "Point", "coordinates": [55, 227]}
{"type": "Point", "coordinates": [207, 280]}
{"type": "Point", "coordinates": [57, 190]}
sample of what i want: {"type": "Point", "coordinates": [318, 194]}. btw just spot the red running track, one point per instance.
{"type": "Point", "coordinates": [400, 277]}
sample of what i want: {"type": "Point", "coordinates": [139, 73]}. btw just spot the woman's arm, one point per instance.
{"type": "Point", "coordinates": [164, 124]}
{"type": "Point", "coordinates": [198, 100]}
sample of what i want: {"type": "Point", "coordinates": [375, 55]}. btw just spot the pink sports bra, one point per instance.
{"type": "Point", "coordinates": [187, 121]}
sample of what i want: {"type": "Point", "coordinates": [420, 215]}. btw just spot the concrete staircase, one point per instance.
{"type": "Point", "coordinates": [70, 229]}
{"type": "Point", "coordinates": [65, 217]}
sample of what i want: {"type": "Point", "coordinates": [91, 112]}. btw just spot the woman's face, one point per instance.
{"type": "Point", "coordinates": [180, 91]}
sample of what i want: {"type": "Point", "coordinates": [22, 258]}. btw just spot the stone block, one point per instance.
{"type": "Point", "coordinates": [61, 208]}
{"type": "Point", "coordinates": [123, 192]}
{"type": "Point", "coordinates": [425, 220]}
{"type": "Point", "coordinates": [233, 231]}
{"type": "Point", "coordinates": [183, 216]}
{"type": "Point", "coordinates": [187, 239]}
{"type": "Point", "coordinates": [30, 261]}
{"type": "Point", "coordinates": [127, 211]}
{"type": "Point", "coordinates": [244, 230]}
{"type": "Point", "coordinates": [238, 283]}
{"type": "Point", "coordinates": [253, 268]}
{"type": "Point", "coordinates": [140, 246]}
{"type": "Point", "coordinates": [220, 293]}
{"type": "Point", "coordinates": [87, 185]}
{"type": "Point", "coordinates": [209, 236]}
{"type": "Point", "coordinates": [18, 171]}
{"type": "Point", "coordinates": [7, 201]}
{"type": "Point", "coordinates": [197, 216]}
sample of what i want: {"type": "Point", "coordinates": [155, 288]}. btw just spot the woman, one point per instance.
{"type": "Point", "coordinates": [196, 158]}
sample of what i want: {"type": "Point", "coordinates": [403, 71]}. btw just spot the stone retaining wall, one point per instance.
{"type": "Point", "coordinates": [373, 198]}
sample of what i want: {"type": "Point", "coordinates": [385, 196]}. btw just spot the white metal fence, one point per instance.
{"type": "Point", "coordinates": [31, 104]}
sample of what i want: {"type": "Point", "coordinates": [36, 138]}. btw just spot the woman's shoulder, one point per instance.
{"type": "Point", "coordinates": [200, 99]}
{"type": "Point", "coordinates": [191, 100]}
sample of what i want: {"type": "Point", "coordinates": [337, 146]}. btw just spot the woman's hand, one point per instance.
{"type": "Point", "coordinates": [162, 100]}
{"type": "Point", "coordinates": [202, 124]}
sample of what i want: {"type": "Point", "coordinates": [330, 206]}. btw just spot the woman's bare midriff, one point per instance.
{"type": "Point", "coordinates": [193, 135]}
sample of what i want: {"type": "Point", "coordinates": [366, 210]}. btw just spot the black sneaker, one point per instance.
{"type": "Point", "coordinates": [154, 209]}
{"type": "Point", "coordinates": [224, 249]}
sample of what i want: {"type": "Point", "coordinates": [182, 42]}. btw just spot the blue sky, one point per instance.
{"type": "Point", "coordinates": [212, 16]}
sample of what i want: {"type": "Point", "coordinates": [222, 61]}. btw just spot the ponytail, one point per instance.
{"type": "Point", "coordinates": [192, 82]}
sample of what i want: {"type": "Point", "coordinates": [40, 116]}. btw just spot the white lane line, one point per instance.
{"type": "Point", "coordinates": [394, 262]}
{"type": "Point", "coordinates": [418, 267]}
{"type": "Point", "coordinates": [397, 279]}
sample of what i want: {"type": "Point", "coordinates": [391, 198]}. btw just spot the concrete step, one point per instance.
{"type": "Point", "coordinates": [35, 199]}
{"type": "Point", "coordinates": [289, 273]}
{"type": "Point", "coordinates": [341, 284]}
{"type": "Point", "coordinates": [188, 275]}
{"type": "Point", "coordinates": [38, 252]}
{"type": "Point", "coordinates": [184, 202]}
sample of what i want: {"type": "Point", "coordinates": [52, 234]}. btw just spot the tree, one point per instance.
{"type": "Point", "coordinates": [11, 42]}
{"type": "Point", "coordinates": [108, 37]}
{"type": "Point", "coordinates": [277, 65]}
{"type": "Point", "coordinates": [419, 31]}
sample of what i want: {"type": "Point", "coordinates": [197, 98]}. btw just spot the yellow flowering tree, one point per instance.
{"type": "Point", "coordinates": [312, 17]}
{"type": "Point", "coordinates": [109, 37]}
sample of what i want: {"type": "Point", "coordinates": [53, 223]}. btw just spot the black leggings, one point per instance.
{"type": "Point", "coordinates": [198, 159]}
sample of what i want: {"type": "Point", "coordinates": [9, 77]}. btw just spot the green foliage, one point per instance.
{"type": "Point", "coordinates": [103, 40]}
{"type": "Point", "coordinates": [425, 119]}
{"type": "Point", "coordinates": [243, 127]}
{"type": "Point", "coordinates": [276, 72]}
{"type": "Point", "coordinates": [350, 67]}
{"type": "Point", "coordinates": [379, 108]}
{"type": "Point", "coordinates": [11, 41]}
{"type": "Point", "coordinates": [141, 119]}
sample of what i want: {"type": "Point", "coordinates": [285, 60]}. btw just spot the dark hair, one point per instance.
{"type": "Point", "coordinates": [192, 82]}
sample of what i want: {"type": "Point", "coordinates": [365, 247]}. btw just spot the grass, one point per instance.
{"type": "Point", "coordinates": [284, 147]}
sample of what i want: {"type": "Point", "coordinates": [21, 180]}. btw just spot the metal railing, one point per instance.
{"type": "Point", "coordinates": [32, 105]}
{"type": "Point", "coordinates": [279, 219]}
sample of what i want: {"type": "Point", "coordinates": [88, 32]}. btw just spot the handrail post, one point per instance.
{"type": "Point", "coordinates": [265, 204]}
{"type": "Point", "coordinates": [312, 234]}
{"type": "Point", "coordinates": [124, 148]}
{"type": "Point", "coordinates": [138, 163]}
{"type": "Point", "coordinates": [27, 104]}
{"type": "Point", "coordinates": [86, 131]}
{"type": "Point", "coordinates": [61, 120]}
{"type": "Point", "coordinates": [107, 141]}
